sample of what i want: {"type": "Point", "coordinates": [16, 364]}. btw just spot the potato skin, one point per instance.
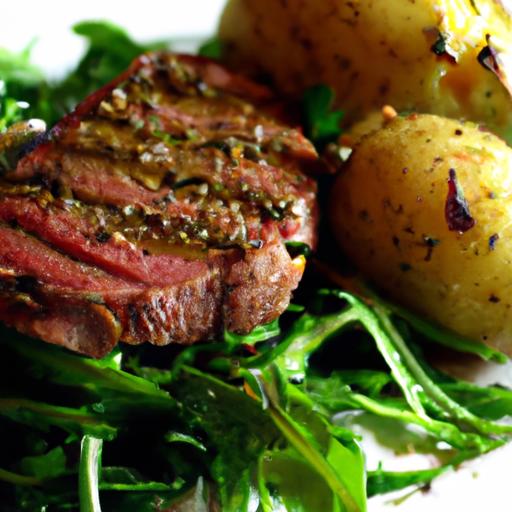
{"type": "Point", "coordinates": [388, 214]}
{"type": "Point", "coordinates": [376, 52]}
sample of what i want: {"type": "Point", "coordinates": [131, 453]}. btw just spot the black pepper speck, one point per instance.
{"type": "Point", "coordinates": [493, 239]}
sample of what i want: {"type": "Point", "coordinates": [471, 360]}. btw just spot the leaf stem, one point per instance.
{"type": "Point", "coordinates": [88, 474]}
{"type": "Point", "coordinates": [17, 479]}
{"type": "Point", "coordinates": [439, 429]}
{"type": "Point", "coordinates": [450, 406]}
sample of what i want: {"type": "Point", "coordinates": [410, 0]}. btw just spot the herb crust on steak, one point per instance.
{"type": "Point", "coordinates": [158, 211]}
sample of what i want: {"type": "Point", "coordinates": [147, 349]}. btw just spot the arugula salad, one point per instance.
{"type": "Point", "coordinates": [261, 422]}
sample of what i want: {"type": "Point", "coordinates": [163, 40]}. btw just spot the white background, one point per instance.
{"type": "Point", "coordinates": [482, 485]}
{"type": "Point", "coordinates": [49, 21]}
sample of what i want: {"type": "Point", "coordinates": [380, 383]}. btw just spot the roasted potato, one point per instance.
{"type": "Point", "coordinates": [424, 208]}
{"type": "Point", "coordinates": [432, 56]}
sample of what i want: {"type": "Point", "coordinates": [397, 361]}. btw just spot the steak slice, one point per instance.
{"type": "Point", "coordinates": [157, 211]}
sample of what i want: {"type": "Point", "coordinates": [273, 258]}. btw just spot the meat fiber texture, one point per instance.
{"type": "Point", "coordinates": [157, 212]}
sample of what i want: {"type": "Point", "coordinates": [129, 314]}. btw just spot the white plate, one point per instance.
{"type": "Point", "coordinates": [476, 486]}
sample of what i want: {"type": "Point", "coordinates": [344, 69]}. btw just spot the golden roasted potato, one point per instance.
{"type": "Point", "coordinates": [429, 56]}
{"type": "Point", "coordinates": [424, 208]}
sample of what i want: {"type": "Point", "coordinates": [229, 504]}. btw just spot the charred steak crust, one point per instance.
{"type": "Point", "coordinates": [157, 211]}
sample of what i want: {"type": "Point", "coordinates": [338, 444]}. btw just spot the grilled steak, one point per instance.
{"type": "Point", "coordinates": [157, 211]}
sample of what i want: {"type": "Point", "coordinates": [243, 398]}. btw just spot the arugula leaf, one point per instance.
{"type": "Point", "coordinates": [298, 249]}
{"type": "Point", "coordinates": [42, 415]}
{"type": "Point", "coordinates": [397, 410]}
{"type": "Point", "coordinates": [429, 331]}
{"type": "Point", "coordinates": [212, 48]}
{"type": "Point", "coordinates": [342, 488]}
{"type": "Point", "coordinates": [16, 68]}
{"type": "Point", "coordinates": [129, 479]}
{"type": "Point", "coordinates": [305, 336]}
{"type": "Point", "coordinates": [17, 479]}
{"type": "Point", "coordinates": [49, 465]}
{"type": "Point", "coordinates": [258, 334]}
{"type": "Point", "coordinates": [371, 382]}
{"type": "Point", "coordinates": [381, 482]}
{"type": "Point", "coordinates": [312, 331]}
{"type": "Point", "coordinates": [287, 482]}
{"type": "Point", "coordinates": [63, 367]}
{"type": "Point", "coordinates": [24, 91]}
{"type": "Point", "coordinates": [490, 402]}
{"type": "Point", "coordinates": [416, 385]}
{"type": "Point", "coordinates": [198, 498]}
{"type": "Point", "coordinates": [110, 51]}
{"type": "Point", "coordinates": [321, 122]}
{"type": "Point", "coordinates": [236, 429]}
{"type": "Point", "coordinates": [179, 437]}
{"type": "Point", "coordinates": [413, 367]}
{"type": "Point", "coordinates": [437, 334]}
{"type": "Point", "coordinates": [10, 110]}
{"type": "Point", "coordinates": [341, 466]}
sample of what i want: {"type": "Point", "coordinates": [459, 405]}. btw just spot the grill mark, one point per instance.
{"type": "Point", "coordinates": [133, 319]}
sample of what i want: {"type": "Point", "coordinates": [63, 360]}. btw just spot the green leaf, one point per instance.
{"type": "Point", "coordinates": [381, 482]}
{"type": "Point", "coordinates": [289, 483]}
{"type": "Point", "coordinates": [107, 36]}
{"type": "Point", "coordinates": [237, 431]}
{"type": "Point", "coordinates": [49, 465]}
{"type": "Point", "coordinates": [24, 92]}
{"type": "Point", "coordinates": [298, 248]}
{"type": "Point", "coordinates": [63, 367]}
{"type": "Point", "coordinates": [417, 386]}
{"type": "Point", "coordinates": [16, 68]}
{"type": "Point", "coordinates": [109, 52]}
{"type": "Point", "coordinates": [322, 123]}
{"type": "Point", "coordinates": [178, 437]}
{"type": "Point", "coordinates": [258, 334]}
{"type": "Point", "coordinates": [212, 49]}
{"type": "Point", "coordinates": [42, 415]}
{"type": "Point", "coordinates": [344, 486]}
{"type": "Point", "coordinates": [490, 402]}
{"type": "Point", "coordinates": [17, 479]}
{"type": "Point", "coordinates": [348, 461]}
{"type": "Point", "coordinates": [370, 382]}
{"type": "Point", "coordinates": [398, 410]}
{"type": "Point", "coordinates": [130, 480]}
{"type": "Point", "coordinates": [198, 498]}
{"type": "Point", "coordinates": [11, 111]}
{"type": "Point", "coordinates": [438, 334]}
{"type": "Point", "coordinates": [305, 336]}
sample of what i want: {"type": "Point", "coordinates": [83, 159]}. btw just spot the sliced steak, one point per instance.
{"type": "Point", "coordinates": [157, 211]}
